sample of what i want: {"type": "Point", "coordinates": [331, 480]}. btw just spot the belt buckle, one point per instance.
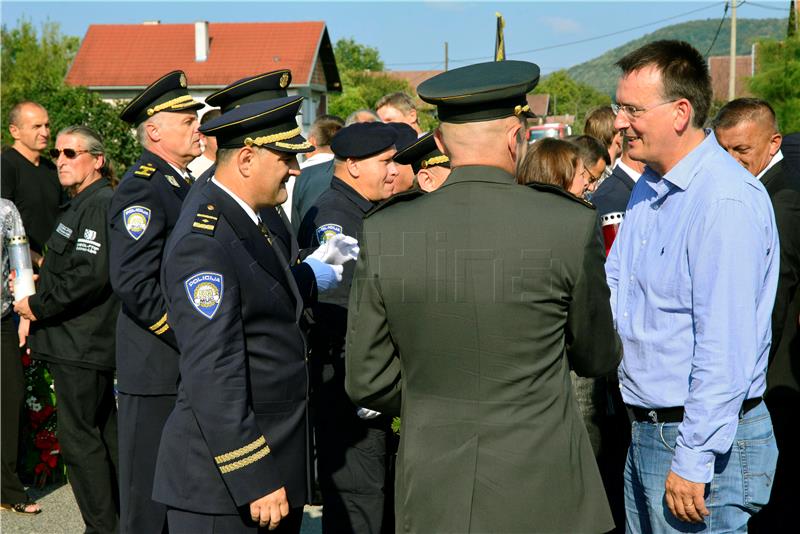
{"type": "Point", "coordinates": [653, 416]}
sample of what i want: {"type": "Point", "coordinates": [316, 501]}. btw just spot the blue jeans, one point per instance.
{"type": "Point", "coordinates": [741, 485]}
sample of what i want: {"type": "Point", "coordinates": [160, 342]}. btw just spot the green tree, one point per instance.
{"type": "Point", "coordinates": [351, 56]}
{"type": "Point", "coordinates": [363, 81]}
{"type": "Point", "coordinates": [778, 79]}
{"type": "Point", "coordinates": [570, 97]}
{"type": "Point", "coordinates": [33, 66]}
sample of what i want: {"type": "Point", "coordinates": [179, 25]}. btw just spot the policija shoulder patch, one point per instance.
{"type": "Point", "coordinates": [205, 292]}
{"type": "Point", "coordinates": [136, 220]}
{"type": "Point", "coordinates": [327, 231]}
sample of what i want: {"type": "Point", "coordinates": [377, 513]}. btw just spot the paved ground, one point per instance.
{"type": "Point", "coordinates": [60, 515]}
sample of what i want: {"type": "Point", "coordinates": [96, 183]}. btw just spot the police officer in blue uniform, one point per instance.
{"type": "Point", "coordinates": [351, 444]}
{"type": "Point", "coordinates": [143, 212]}
{"type": "Point", "coordinates": [233, 455]}
{"type": "Point", "coordinates": [259, 88]}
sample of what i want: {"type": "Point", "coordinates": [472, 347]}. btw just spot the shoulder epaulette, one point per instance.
{"type": "Point", "coordinates": [145, 170]}
{"type": "Point", "coordinates": [549, 188]}
{"type": "Point", "coordinates": [411, 194]}
{"type": "Point", "coordinates": [205, 222]}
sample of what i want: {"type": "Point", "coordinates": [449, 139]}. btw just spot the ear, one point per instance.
{"type": "Point", "coordinates": [511, 139]}
{"type": "Point", "coordinates": [437, 136]}
{"type": "Point", "coordinates": [352, 167]}
{"type": "Point", "coordinates": [425, 180]}
{"type": "Point", "coordinates": [313, 140]}
{"type": "Point", "coordinates": [153, 132]}
{"type": "Point", "coordinates": [99, 161]}
{"type": "Point", "coordinates": [412, 115]}
{"type": "Point", "coordinates": [683, 115]}
{"type": "Point", "coordinates": [245, 159]}
{"type": "Point", "coordinates": [14, 130]}
{"type": "Point", "coordinates": [775, 143]}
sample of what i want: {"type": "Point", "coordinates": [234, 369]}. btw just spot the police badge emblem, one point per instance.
{"type": "Point", "coordinates": [205, 292]}
{"type": "Point", "coordinates": [136, 220]}
{"type": "Point", "coordinates": [284, 81]}
{"type": "Point", "coordinates": [327, 231]}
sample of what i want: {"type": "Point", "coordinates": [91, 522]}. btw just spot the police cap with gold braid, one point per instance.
{"type": "Point", "coordinates": [269, 124]}
{"type": "Point", "coordinates": [267, 86]}
{"type": "Point", "coordinates": [481, 92]}
{"type": "Point", "coordinates": [168, 93]}
{"type": "Point", "coordinates": [422, 154]}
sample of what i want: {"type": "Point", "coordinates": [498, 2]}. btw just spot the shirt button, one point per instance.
{"type": "Point", "coordinates": [625, 314]}
{"type": "Point", "coordinates": [631, 278]}
{"type": "Point", "coordinates": [644, 241]}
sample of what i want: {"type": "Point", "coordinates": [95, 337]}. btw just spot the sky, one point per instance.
{"type": "Point", "coordinates": [411, 35]}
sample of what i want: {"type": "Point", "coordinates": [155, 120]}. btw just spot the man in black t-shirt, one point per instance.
{"type": "Point", "coordinates": [29, 180]}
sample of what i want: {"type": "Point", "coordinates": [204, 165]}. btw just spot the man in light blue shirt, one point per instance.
{"type": "Point", "coordinates": [693, 275]}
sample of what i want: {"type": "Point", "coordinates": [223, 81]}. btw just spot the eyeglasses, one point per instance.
{"type": "Point", "coordinates": [592, 178]}
{"type": "Point", "coordinates": [633, 112]}
{"type": "Point", "coordinates": [69, 153]}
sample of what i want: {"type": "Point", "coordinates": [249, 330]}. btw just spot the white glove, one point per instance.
{"type": "Point", "coordinates": [366, 413]}
{"type": "Point", "coordinates": [337, 250]}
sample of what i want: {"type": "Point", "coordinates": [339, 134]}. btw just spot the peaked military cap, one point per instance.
{"type": "Point", "coordinates": [481, 92]}
{"type": "Point", "coordinates": [422, 154]}
{"type": "Point", "coordinates": [168, 93]}
{"type": "Point", "coordinates": [406, 135]}
{"type": "Point", "coordinates": [363, 139]}
{"type": "Point", "coordinates": [266, 86]}
{"type": "Point", "coordinates": [269, 123]}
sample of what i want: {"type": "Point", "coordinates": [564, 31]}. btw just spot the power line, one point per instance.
{"type": "Point", "coordinates": [714, 40]}
{"type": "Point", "coordinates": [588, 39]}
{"type": "Point", "coordinates": [762, 6]}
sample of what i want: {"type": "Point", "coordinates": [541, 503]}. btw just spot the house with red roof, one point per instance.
{"type": "Point", "coordinates": [119, 60]}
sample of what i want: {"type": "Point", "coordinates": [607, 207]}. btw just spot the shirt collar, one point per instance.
{"type": "Point", "coordinates": [775, 159]}
{"type": "Point", "coordinates": [628, 170]}
{"type": "Point", "coordinates": [316, 159]}
{"type": "Point", "coordinates": [182, 173]}
{"type": "Point", "coordinates": [247, 209]}
{"type": "Point", "coordinates": [364, 204]}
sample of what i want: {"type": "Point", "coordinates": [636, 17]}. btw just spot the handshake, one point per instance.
{"type": "Point", "coordinates": [328, 259]}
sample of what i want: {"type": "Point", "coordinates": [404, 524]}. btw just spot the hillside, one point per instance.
{"type": "Point", "coordinates": [601, 73]}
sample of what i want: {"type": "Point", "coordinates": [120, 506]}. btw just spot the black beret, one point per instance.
{"type": "Point", "coordinates": [363, 139]}
{"type": "Point", "coordinates": [267, 86]}
{"type": "Point", "coordinates": [168, 93]}
{"type": "Point", "coordinates": [481, 92]}
{"type": "Point", "coordinates": [406, 135]}
{"type": "Point", "coordinates": [269, 123]}
{"type": "Point", "coordinates": [421, 154]}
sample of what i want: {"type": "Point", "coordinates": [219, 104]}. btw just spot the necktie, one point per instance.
{"type": "Point", "coordinates": [264, 231]}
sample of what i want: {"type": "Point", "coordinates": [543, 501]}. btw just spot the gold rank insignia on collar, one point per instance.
{"type": "Point", "coordinates": [171, 179]}
{"type": "Point", "coordinates": [205, 222]}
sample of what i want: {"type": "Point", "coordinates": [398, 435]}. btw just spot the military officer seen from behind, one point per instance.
{"type": "Point", "coordinates": [143, 212]}
{"type": "Point", "coordinates": [469, 305]}
{"type": "Point", "coordinates": [350, 443]}
{"type": "Point", "coordinates": [233, 455]}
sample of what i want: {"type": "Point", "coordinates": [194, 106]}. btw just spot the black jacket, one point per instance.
{"type": "Point", "coordinates": [239, 427]}
{"type": "Point", "coordinates": [74, 300]}
{"type": "Point", "coordinates": [783, 185]}
{"type": "Point", "coordinates": [614, 193]}
{"type": "Point", "coordinates": [144, 210]}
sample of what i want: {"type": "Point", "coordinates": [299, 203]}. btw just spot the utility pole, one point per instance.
{"type": "Point", "coordinates": [446, 59]}
{"type": "Point", "coordinates": [732, 73]}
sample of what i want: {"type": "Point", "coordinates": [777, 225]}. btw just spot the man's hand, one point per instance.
{"type": "Point", "coordinates": [685, 498]}
{"type": "Point", "coordinates": [22, 307]}
{"type": "Point", "coordinates": [270, 509]}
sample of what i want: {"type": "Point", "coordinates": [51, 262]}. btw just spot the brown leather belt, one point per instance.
{"type": "Point", "coordinates": [674, 414]}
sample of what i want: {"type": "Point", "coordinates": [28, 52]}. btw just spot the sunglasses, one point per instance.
{"type": "Point", "coordinates": [69, 153]}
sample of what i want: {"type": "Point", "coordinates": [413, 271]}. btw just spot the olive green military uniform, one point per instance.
{"type": "Point", "coordinates": [469, 306]}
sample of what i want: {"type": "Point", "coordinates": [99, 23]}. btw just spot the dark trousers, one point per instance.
{"type": "Point", "coordinates": [87, 432]}
{"type": "Point", "coordinates": [353, 464]}
{"type": "Point", "coordinates": [13, 392]}
{"type": "Point", "coordinates": [185, 522]}
{"type": "Point", "coordinates": [141, 420]}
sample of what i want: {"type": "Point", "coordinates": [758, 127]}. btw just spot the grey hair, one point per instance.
{"type": "Point", "coordinates": [94, 146]}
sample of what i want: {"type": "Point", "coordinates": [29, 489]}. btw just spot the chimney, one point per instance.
{"type": "Point", "coordinates": [200, 41]}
